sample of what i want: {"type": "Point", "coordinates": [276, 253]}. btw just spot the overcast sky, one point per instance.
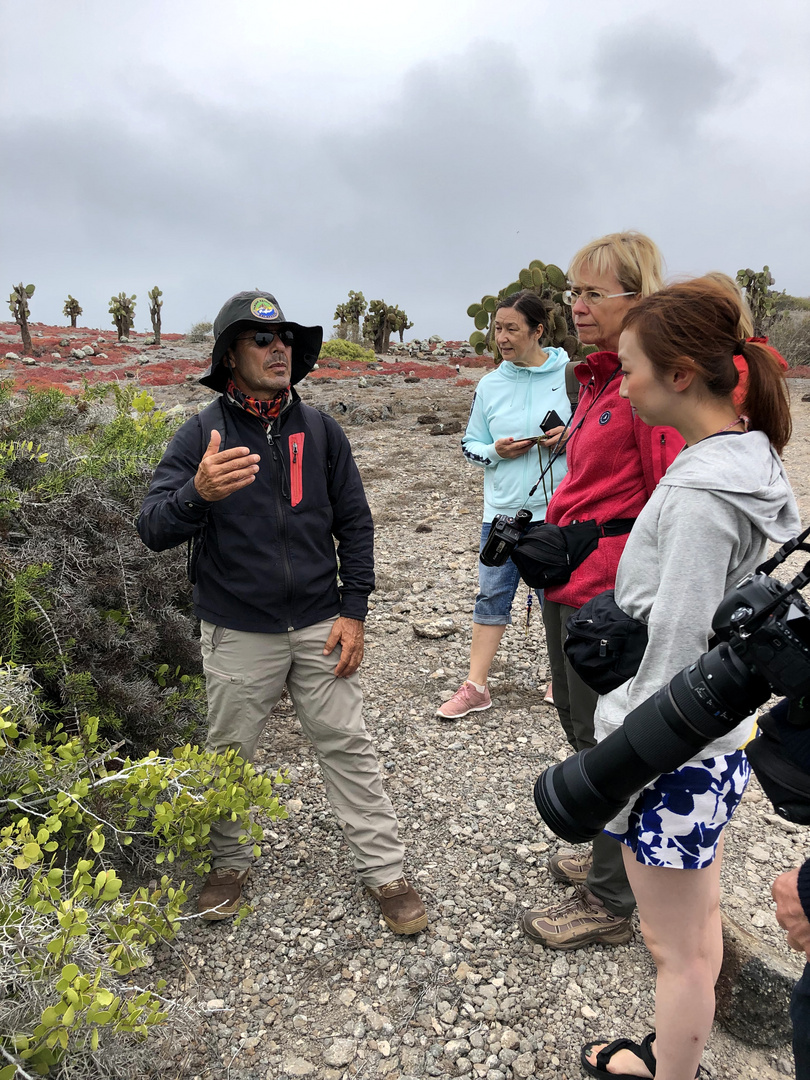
{"type": "Point", "coordinates": [421, 151]}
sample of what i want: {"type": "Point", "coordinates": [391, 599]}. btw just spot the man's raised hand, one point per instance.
{"type": "Point", "coordinates": [220, 474]}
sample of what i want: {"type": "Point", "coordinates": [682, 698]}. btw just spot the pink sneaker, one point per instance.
{"type": "Point", "coordinates": [465, 700]}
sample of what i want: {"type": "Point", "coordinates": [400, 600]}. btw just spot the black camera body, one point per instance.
{"type": "Point", "coordinates": [768, 625]}
{"type": "Point", "coordinates": [503, 536]}
{"type": "Point", "coordinates": [763, 628]}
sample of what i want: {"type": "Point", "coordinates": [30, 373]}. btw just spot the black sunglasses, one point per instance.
{"type": "Point", "coordinates": [267, 337]}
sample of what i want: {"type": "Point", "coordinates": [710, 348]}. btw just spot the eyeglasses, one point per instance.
{"type": "Point", "coordinates": [263, 338]}
{"type": "Point", "coordinates": [591, 297]}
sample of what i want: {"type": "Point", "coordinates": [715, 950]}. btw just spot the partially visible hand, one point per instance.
{"type": "Point", "coordinates": [551, 437]}
{"type": "Point", "coordinates": [513, 448]}
{"type": "Point", "coordinates": [349, 634]}
{"type": "Point", "coordinates": [220, 474]}
{"type": "Point", "coordinates": [789, 911]}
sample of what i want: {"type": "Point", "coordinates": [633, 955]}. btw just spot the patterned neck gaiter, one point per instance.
{"type": "Point", "coordinates": [267, 411]}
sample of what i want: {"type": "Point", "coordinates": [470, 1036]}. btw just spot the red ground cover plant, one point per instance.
{"type": "Point", "coordinates": [120, 364]}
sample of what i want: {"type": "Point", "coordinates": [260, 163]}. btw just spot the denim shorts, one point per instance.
{"type": "Point", "coordinates": [497, 586]}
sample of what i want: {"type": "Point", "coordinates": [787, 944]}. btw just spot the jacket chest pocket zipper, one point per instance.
{"type": "Point", "coordinates": [295, 443]}
{"type": "Point", "coordinates": [603, 647]}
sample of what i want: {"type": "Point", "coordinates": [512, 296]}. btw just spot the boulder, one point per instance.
{"type": "Point", "coordinates": [437, 628]}
{"type": "Point", "coordinates": [450, 427]}
{"type": "Point", "coordinates": [754, 988]}
{"type": "Point", "coordinates": [12, 356]}
{"type": "Point", "coordinates": [341, 1052]}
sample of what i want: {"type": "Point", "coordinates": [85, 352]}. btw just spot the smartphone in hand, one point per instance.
{"type": "Point", "coordinates": [551, 420]}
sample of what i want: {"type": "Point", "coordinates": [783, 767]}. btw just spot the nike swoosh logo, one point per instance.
{"type": "Point", "coordinates": [555, 388]}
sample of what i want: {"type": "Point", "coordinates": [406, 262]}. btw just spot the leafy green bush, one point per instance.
{"type": "Point", "coordinates": [337, 349]}
{"type": "Point", "coordinates": [102, 665]}
{"type": "Point", "coordinates": [82, 601]}
{"type": "Point", "coordinates": [783, 301]}
{"type": "Point", "coordinates": [69, 940]}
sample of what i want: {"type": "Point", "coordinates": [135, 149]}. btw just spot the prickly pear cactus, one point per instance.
{"type": "Point", "coordinates": [122, 309]}
{"type": "Point", "coordinates": [761, 300]}
{"type": "Point", "coordinates": [18, 306]}
{"type": "Point", "coordinates": [155, 304]}
{"type": "Point", "coordinates": [72, 309]}
{"type": "Point", "coordinates": [348, 315]}
{"type": "Point", "coordinates": [549, 282]}
{"type": "Point", "coordinates": [381, 319]}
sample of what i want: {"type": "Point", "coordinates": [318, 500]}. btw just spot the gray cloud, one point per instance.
{"type": "Point", "coordinates": [439, 189]}
{"type": "Point", "coordinates": [659, 78]}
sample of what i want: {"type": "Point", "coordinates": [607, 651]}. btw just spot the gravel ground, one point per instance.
{"type": "Point", "coordinates": [312, 983]}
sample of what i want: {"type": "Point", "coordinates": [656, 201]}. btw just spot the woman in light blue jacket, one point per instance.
{"type": "Point", "coordinates": [503, 428]}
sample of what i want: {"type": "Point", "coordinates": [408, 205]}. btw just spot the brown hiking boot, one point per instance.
{"type": "Point", "coordinates": [222, 893]}
{"type": "Point", "coordinates": [400, 906]}
{"type": "Point", "coordinates": [571, 867]}
{"type": "Point", "coordinates": [583, 920]}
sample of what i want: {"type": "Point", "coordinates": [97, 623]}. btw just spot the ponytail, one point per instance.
{"type": "Point", "coordinates": [696, 325]}
{"type": "Point", "coordinates": [766, 402]}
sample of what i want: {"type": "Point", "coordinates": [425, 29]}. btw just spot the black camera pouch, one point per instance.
{"type": "Point", "coordinates": [780, 758]}
{"type": "Point", "coordinates": [604, 644]}
{"type": "Point", "coordinates": [548, 554]}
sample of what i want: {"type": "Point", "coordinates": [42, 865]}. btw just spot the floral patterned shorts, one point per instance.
{"type": "Point", "coordinates": [678, 819]}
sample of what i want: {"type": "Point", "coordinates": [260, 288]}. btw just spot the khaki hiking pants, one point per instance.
{"type": "Point", "coordinates": [245, 674]}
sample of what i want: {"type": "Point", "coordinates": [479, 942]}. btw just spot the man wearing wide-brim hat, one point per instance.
{"type": "Point", "coordinates": [262, 485]}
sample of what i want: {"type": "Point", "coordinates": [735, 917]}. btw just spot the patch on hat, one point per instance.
{"type": "Point", "coordinates": [263, 308]}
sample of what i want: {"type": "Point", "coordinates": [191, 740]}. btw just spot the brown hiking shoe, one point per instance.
{"type": "Point", "coordinates": [400, 906]}
{"type": "Point", "coordinates": [583, 920]}
{"type": "Point", "coordinates": [222, 893]}
{"type": "Point", "coordinates": [570, 866]}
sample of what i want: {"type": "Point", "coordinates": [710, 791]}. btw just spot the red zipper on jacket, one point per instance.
{"type": "Point", "coordinates": [296, 446]}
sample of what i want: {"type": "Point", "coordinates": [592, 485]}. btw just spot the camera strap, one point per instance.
{"type": "Point", "coordinates": [563, 441]}
{"type": "Point", "coordinates": [785, 551]}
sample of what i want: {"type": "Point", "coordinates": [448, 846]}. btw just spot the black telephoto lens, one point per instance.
{"type": "Point", "coordinates": [578, 797]}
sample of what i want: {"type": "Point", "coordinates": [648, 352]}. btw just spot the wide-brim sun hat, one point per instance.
{"type": "Point", "coordinates": [261, 310]}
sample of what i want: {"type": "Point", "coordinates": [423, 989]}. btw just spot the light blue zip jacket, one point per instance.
{"type": "Point", "coordinates": [512, 401]}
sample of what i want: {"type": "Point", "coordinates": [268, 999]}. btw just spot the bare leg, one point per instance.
{"type": "Point", "coordinates": [485, 642]}
{"type": "Point", "coordinates": [680, 921]}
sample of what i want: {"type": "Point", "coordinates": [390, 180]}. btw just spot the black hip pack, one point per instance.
{"type": "Point", "coordinates": [604, 644]}
{"type": "Point", "coordinates": [548, 554]}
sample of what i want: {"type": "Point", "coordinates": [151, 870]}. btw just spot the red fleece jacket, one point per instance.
{"type": "Point", "coordinates": [614, 464]}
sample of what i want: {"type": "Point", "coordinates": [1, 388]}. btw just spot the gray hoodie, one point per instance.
{"type": "Point", "coordinates": [705, 527]}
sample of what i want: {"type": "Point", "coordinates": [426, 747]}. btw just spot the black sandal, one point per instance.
{"type": "Point", "coordinates": [600, 1070]}
{"type": "Point", "coordinates": [642, 1050]}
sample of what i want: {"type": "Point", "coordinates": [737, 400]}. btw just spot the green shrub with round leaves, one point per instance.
{"type": "Point", "coordinates": [70, 940]}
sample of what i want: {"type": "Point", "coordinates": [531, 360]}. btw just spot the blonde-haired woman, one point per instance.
{"type": "Point", "coordinates": [614, 464]}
